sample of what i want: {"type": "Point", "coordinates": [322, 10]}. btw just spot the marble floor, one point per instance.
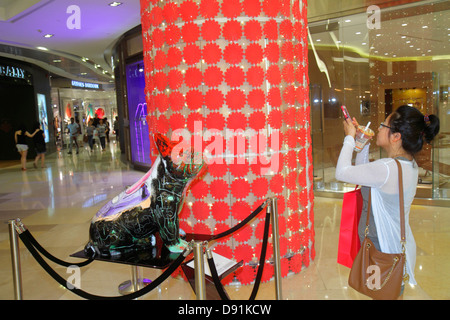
{"type": "Point", "coordinates": [56, 204]}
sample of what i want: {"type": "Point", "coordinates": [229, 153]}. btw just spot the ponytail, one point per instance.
{"type": "Point", "coordinates": [414, 127]}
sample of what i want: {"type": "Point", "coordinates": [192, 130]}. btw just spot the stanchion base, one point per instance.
{"type": "Point", "coordinates": [127, 287]}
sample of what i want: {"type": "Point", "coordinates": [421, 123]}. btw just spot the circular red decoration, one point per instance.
{"type": "Point", "coordinates": [177, 121]}
{"type": "Point", "coordinates": [286, 29]}
{"type": "Point", "coordinates": [291, 180]}
{"type": "Point", "coordinates": [243, 252]}
{"type": "Point", "coordinates": [233, 53]}
{"type": "Point", "coordinates": [194, 99]}
{"type": "Point", "coordinates": [193, 117]}
{"type": "Point", "coordinates": [184, 224]}
{"type": "Point", "coordinates": [190, 32]}
{"type": "Point", "coordinates": [176, 100]}
{"type": "Point", "coordinates": [240, 188]}
{"type": "Point", "coordinates": [231, 8]}
{"type": "Point", "coordinates": [214, 99]}
{"type": "Point", "coordinates": [255, 76]}
{"type": "Point", "coordinates": [267, 273]}
{"type": "Point", "coordinates": [215, 120]}
{"type": "Point", "coordinates": [213, 76]}
{"type": "Point", "coordinates": [289, 116]}
{"type": "Point", "coordinates": [161, 102]}
{"type": "Point", "coordinates": [218, 189]}
{"type": "Point", "coordinates": [158, 38]}
{"type": "Point", "coordinates": [222, 249]}
{"type": "Point", "coordinates": [271, 30]}
{"type": "Point", "coordinates": [240, 210]}
{"type": "Point", "coordinates": [217, 169]}
{"type": "Point", "coordinates": [170, 12]}
{"type": "Point", "coordinates": [209, 8]}
{"type": "Point", "coordinates": [212, 53]}
{"type": "Point", "coordinates": [246, 274]}
{"type": "Point", "coordinates": [295, 263]}
{"type": "Point", "coordinates": [254, 53]}
{"type": "Point", "coordinates": [200, 210]}
{"type": "Point", "coordinates": [193, 77]}
{"type": "Point", "coordinates": [174, 57]}
{"type": "Point", "coordinates": [275, 119]}
{"type": "Point", "coordinates": [199, 189]}
{"type": "Point", "coordinates": [253, 30]}
{"type": "Point", "coordinates": [288, 73]}
{"type": "Point", "coordinates": [192, 54]}
{"type": "Point", "coordinates": [274, 75]}
{"type": "Point", "coordinates": [236, 121]}
{"type": "Point", "coordinates": [244, 234]}
{"type": "Point", "coordinates": [287, 51]}
{"type": "Point", "coordinates": [234, 76]}
{"type": "Point", "coordinates": [289, 95]}
{"type": "Point", "coordinates": [274, 97]}
{"type": "Point", "coordinates": [259, 234]}
{"type": "Point", "coordinates": [235, 99]}
{"type": "Point", "coordinates": [252, 8]}
{"type": "Point", "coordinates": [271, 7]}
{"type": "Point", "coordinates": [175, 79]}
{"type": "Point", "coordinates": [201, 228]}
{"type": "Point", "coordinates": [173, 34]}
{"type": "Point", "coordinates": [162, 124]}
{"type": "Point", "coordinates": [210, 30]}
{"type": "Point", "coordinates": [276, 184]}
{"type": "Point", "coordinates": [188, 10]}
{"type": "Point", "coordinates": [294, 242]}
{"type": "Point", "coordinates": [256, 98]}
{"type": "Point", "coordinates": [291, 159]}
{"type": "Point", "coordinates": [257, 120]}
{"type": "Point", "coordinates": [285, 7]}
{"type": "Point", "coordinates": [220, 211]}
{"type": "Point", "coordinates": [272, 52]}
{"type": "Point", "coordinates": [160, 79]}
{"type": "Point", "coordinates": [260, 187]}
{"type": "Point", "coordinates": [232, 30]}
{"type": "Point", "coordinates": [238, 169]}
{"type": "Point", "coordinates": [160, 60]}
{"type": "Point", "coordinates": [156, 16]}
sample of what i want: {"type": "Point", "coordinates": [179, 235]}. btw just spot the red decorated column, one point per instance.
{"type": "Point", "coordinates": [231, 78]}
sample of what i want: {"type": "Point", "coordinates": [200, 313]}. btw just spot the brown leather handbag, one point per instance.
{"type": "Point", "coordinates": [374, 273]}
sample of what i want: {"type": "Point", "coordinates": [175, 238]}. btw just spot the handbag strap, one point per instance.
{"type": "Point", "coordinates": [402, 205]}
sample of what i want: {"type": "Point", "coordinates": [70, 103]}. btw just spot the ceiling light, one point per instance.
{"type": "Point", "coordinates": [56, 60]}
{"type": "Point", "coordinates": [404, 24]}
{"type": "Point", "coordinates": [358, 32]}
{"type": "Point", "coordinates": [348, 20]}
{"type": "Point", "coordinates": [424, 27]}
{"type": "Point", "coordinates": [48, 35]}
{"type": "Point", "coordinates": [42, 48]}
{"type": "Point", "coordinates": [115, 4]}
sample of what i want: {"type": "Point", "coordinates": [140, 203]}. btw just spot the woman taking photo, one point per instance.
{"type": "Point", "coordinates": [401, 136]}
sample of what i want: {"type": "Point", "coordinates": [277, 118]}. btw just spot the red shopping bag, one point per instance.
{"type": "Point", "coordinates": [349, 243]}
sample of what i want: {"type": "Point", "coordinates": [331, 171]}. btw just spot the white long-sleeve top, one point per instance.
{"type": "Point", "coordinates": [382, 178]}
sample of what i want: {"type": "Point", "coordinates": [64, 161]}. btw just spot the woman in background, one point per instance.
{"type": "Point", "coordinates": [39, 144]}
{"type": "Point", "coordinates": [21, 144]}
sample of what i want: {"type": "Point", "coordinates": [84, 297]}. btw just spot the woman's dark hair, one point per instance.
{"type": "Point", "coordinates": [414, 127]}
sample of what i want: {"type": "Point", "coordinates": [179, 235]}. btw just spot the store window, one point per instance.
{"type": "Point", "coordinates": [137, 112]}
{"type": "Point", "coordinates": [373, 62]}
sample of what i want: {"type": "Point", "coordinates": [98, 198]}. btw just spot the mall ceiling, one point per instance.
{"type": "Point", "coordinates": [59, 35]}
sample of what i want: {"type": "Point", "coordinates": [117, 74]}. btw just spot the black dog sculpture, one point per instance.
{"type": "Point", "coordinates": [130, 220]}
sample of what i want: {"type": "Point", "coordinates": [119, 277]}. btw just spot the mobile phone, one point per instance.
{"type": "Point", "coordinates": [345, 112]}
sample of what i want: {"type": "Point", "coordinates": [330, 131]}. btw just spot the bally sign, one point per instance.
{"type": "Point", "coordinates": [12, 72]}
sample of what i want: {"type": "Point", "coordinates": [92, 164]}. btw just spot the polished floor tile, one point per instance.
{"type": "Point", "coordinates": [56, 204]}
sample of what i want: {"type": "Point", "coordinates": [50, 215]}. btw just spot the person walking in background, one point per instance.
{"type": "Point", "coordinates": [101, 128]}
{"type": "Point", "coordinates": [74, 130]}
{"type": "Point", "coordinates": [107, 129]}
{"type": "Point", "coordinates": [116, 128]}
{"type": "Point", "coordinates": [90, 134]}
{"type": "Point", "coordinates": [401, 136]}
{"type": "Point", "coordinates": [39, 145]}
{"type": "Point", "coordinates": [21, 144]}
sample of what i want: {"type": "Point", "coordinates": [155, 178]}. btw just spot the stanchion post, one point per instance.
{"type": "Point", "coordinates": [199, 267]}
{"type": "Point", "coordinates": [15, 259]}
{"type": "Point", "coordinates": [276, 246]}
